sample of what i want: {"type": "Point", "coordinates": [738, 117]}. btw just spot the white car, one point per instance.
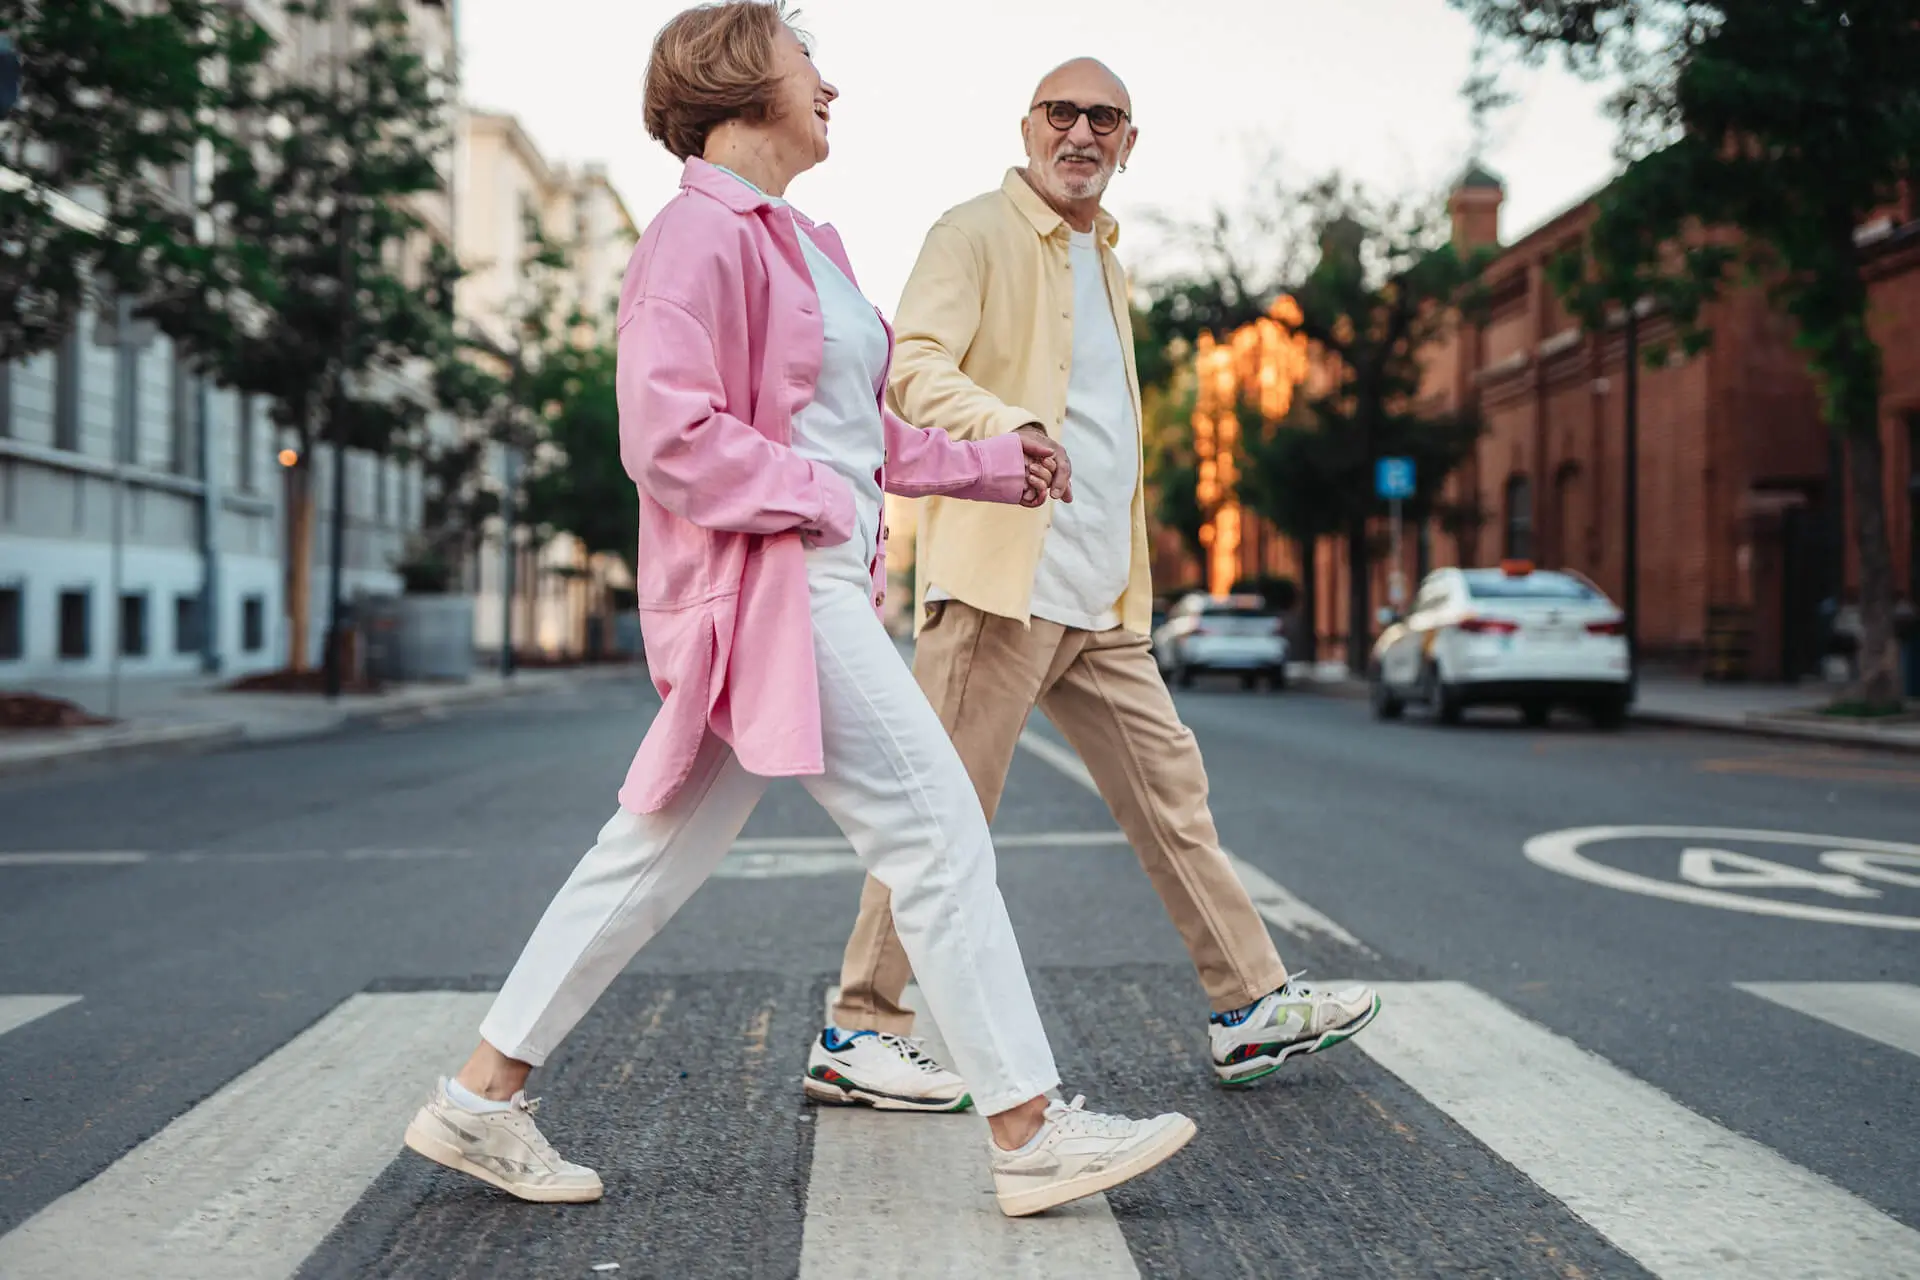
{"type": "Point", "coordinates": [1513, 636]}
{"type": "Point", "coordinates": [1205, 633]}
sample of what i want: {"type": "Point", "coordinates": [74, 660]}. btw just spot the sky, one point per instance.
{"type": "Point", "coordinates": [932, 95]}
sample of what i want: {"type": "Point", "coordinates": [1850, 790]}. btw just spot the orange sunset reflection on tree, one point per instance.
{"type": "Point", "coordinates": [1260, 363]}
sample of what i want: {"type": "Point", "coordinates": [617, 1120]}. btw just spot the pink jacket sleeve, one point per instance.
{"type": "Point", "coordinates": [921, 463]}
{"type": "Point", "coordinates": [701, 462]}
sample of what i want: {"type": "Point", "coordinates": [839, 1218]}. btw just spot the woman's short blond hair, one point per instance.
{"type": "Point", "coordinates": [711, 64]}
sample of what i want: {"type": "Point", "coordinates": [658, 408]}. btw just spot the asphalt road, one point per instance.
{"type": "Point", "coordinates": [1576, 1073]}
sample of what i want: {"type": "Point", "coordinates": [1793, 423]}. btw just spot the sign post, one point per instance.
{"type": "Point", "coordinates": [1393, 480]}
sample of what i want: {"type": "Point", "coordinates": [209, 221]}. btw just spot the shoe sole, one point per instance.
{"type": "Point", "coordinates": [448, 1155]}
{"type": "Point", "coordinates": [834, 1095]}
{"type": "Point", "coordinates": [1261, 1068]}
{"type": "Point", "coordinates": [1039, 1200]}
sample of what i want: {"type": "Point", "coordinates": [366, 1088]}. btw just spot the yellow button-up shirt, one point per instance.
{"type": "Point", "coordinates": [984, 346]}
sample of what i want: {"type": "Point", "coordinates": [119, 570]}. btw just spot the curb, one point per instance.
{"type": "Point", "coordinates": [183, 739]}
{"type": "Point", "coordinates": [214, 735]}
{"type": "Point", "coordinates": [1761, 726]}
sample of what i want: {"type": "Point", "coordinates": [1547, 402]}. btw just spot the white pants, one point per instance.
{"type": "Point", "coordinates": [895, 786]}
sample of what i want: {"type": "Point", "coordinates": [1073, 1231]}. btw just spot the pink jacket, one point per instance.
{"type": "Point", "coordinates": [720, 344]}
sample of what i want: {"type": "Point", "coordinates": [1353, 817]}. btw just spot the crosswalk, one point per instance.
{"type": "Point", "coordinates": [250, 1182]}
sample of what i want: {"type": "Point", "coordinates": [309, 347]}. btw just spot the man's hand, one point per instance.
{"type": "Point", "coordinates": [1049, 472]}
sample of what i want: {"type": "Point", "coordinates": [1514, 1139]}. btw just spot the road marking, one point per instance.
{"type": "Point", "coordinates": [1680, 1194]}
{"type": "Point", "coordinates": [77, 858]}
{"type": "Point", "coordinates": [1815, 770]}
{"type": "Point", "coordinates": [1276, 904]}
{"type": "Point", "coordinates": [247, 1183]}
{"type": "Point", "coordinates": [882, 1204]}
{"type": "Point", "coordinates": [1560, 851]}
{"type": "Point", "coordinates": [1885, 1011]}
{"type": "Point", "coordinates": [18, 1011]}
{"type": "Point", "coordinates": [775, 859]}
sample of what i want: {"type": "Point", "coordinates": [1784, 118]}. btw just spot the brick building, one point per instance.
{"type": "Point", "coordinates": [1737, 494]}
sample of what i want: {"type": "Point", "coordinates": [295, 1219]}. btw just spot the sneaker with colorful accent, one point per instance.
{"type": "Point", "coordinates": [1298, 1018]}
{"type": "Point", "coordinates": [502, 1148]}
{"type": "Point", "coordinates": [1079, 1153]}
{"type": "Point", "coordinates": [881, 1070]}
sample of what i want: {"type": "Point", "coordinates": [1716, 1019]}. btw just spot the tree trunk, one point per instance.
{"type": "Point", "coordinates": [1308, 609]}
{"type": "Point", "coordinates": [1359, 598]}
{"type": "Point", "coordinates": [1879, 683]}
{"type": "Point", "coordinates": [300, 568]}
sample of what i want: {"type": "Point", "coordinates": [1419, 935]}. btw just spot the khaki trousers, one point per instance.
{"type": "Point", "coordinates": [984, 674]}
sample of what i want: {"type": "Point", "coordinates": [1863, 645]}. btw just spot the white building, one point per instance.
{"type": "Point", "coordinates": [106, 543]}
{"type": "Point", "coordinates": [556, 585]}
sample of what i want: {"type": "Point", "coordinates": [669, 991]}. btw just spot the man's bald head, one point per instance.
{"type": "Point", "coordinates": [1078, 76]}
{"type": "Point", "coordinates": [1071, 162]}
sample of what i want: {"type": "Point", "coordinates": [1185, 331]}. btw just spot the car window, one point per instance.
{"type": "Point", "coordinates": [1492, 584]}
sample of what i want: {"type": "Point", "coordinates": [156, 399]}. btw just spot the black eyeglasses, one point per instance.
{"type": "Point", "coordinates": [1103, 120]}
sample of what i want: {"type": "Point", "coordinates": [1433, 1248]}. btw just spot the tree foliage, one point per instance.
{"type": "Point", "coordinates": [113, 105]}
{"type": "Point", "coordinates": [1790, 122]}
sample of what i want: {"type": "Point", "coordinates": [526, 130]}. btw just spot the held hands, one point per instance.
{"type": "Point", "coordinates": [1049, 472]}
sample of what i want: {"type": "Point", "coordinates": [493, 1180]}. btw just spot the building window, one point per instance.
{"type": "Point", "coordinates": [244, 440]}
{"type": "Point", "coordinates": [12, 624]}
{"type": "Point", "coordinates": [1519, 518]}
{"type": "Point", "coordinates": [181, 446]}
{"type": "Point", "coordinates": [187, 631]}
{"type": "Point", "coordinates": [133, 625]}
{"type": "Point", "coordinates": [76, 623]}
{"type": "Point", "coordinates": [66, 393]}
{"type": "Point", "coordinates": [253, 624]}
{"type": "Point", "coordinates": [380, 468]}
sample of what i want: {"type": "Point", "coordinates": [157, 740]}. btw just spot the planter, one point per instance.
{"type": "Point", "coordinates": [421, 637]}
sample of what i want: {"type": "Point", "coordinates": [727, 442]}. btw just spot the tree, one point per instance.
{"type": "Point", "coordinates": [1791, 122]}
{"type": "Point", "coordinates": [581, 486]}
{"type": "Point", "coordinates": [112, 106]}
{"type": "Point", "coordinates": [1388, 285]}
{"type": "Point", "coordinates": [303, 299]}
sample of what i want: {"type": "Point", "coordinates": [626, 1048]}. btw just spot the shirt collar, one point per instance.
{"type": "Point", "coordinates": [732, 190]}
{"type": "Point", "coordinates": [1044, 218]}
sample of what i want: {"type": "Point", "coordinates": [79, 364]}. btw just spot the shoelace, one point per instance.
{"type": "Point", "coordinates": [911, 1049]}
{"type": "Point", "coordinates": [1073, 1116]}
{"type": "Point", "coordinates": [531, 1135]}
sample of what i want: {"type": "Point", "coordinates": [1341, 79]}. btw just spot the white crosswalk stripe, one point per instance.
{"type": "Point", "coordinates": [1680, 1194]}
{"type": "Point", "coordinates": [18, 1011]}
{"type": "Point", "coordinates": [1885, 1011]}
{"type": "Point", "coordinates": [879, 1208]}
{"type": "Point", "coordinates": [244, 1185]}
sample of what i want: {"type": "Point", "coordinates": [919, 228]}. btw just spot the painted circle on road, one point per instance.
{"type": "Point", "coordinates": [1885, 861]}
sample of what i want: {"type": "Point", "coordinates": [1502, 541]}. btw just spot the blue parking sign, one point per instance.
{"type": "Point", "coordinates": [1393, 478]}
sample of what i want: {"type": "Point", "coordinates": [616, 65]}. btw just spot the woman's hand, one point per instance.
{"type": "Point", "coordinates": [1048, 471]}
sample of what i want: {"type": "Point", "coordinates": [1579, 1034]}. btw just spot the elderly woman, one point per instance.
{"type": "Point", "coordinates": [751, 373]}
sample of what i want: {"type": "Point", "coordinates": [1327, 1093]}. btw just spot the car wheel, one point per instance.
{"type": "Point", "coordinates": [1385, 705]}
{"type": "Point", "coordinates": [1536, 713]}
{"type": "Point", "coordinates": [1609, 713]}
{"type": "Point", "coordinates": [1277, 679]}
{"type": "Point", "coordinates": [1250, 681]}
{"type": "Point", "coordinates": [1183, 676]}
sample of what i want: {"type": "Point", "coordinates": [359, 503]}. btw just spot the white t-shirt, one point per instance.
{"type": "Point", "coordinates": [1088, 554]}
{"type": "Point", "coordinates": [841, 427]}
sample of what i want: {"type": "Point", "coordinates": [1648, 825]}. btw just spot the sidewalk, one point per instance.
{"type": "Point", "coordinates": [1761, 710]}
{"type": "Point", "coordinates": [194, 714]}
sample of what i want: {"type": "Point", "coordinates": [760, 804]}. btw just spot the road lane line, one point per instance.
{"type": "Point", "coordinates": [912, 1195]}
{"type": "Point", "coordinates": [246, 1184]}
{"type": "Point", "coordinates": [77, 858]}
{"type": "Point", "coordinates": [18, 1011]}
{"type": "Point", "coordinates": [1885, 1011]}
{"type": "Point", "coordinates": [1274, 901]}
{"type": "Point", "coordinates": [1682, 1195]}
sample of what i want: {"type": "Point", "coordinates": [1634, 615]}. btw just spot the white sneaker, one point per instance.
{"type": "Point", "coordinates": [1080, 1153]}
{"type": "Point", "coordinates": [880, 1070]}
{"type": "Point", "coordinates": [502, 1148]}
{"type": "Point", "coordinates": [1295, 1019]}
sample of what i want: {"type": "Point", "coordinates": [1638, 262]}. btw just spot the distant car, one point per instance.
{"type": "Point", "coordinates": [1513, 636]}
{"type": "Point", "coordinates": [1239, 633]}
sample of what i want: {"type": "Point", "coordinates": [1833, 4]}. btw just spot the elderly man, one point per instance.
{"type": "Point", "coordinates": [1015, 319]}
